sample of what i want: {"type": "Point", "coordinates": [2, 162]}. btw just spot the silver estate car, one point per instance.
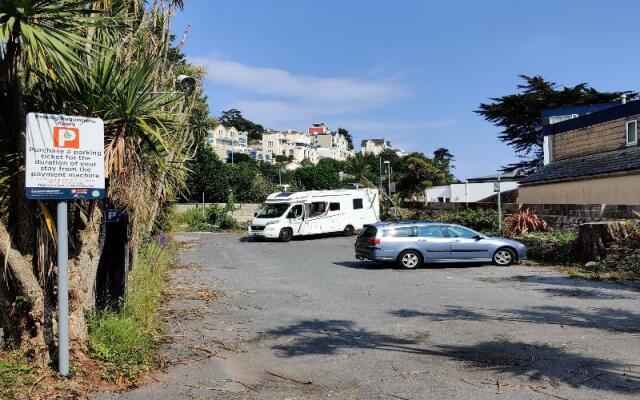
{"type": "Point", "coordinates": [410, 244]}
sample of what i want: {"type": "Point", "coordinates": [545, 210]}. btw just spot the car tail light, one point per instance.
{"type": "Point", "coordinates": [374, 241]}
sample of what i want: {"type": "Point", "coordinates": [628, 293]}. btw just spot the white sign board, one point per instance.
{"type": "Point", "coordinates": [496, 186]}
{"type": "Point", "coordinates": [65, 157]}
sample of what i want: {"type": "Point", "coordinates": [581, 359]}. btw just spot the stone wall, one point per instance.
{"type": "Point", "coordinates": [241, 213]}
{"type": "Point", "coordinates": [560, 216]}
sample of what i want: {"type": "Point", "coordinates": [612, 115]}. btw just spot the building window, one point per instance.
{"type": "Point", "coordinates": [357, 204]}
{"type": "Point", "coordinates": [632, 133]}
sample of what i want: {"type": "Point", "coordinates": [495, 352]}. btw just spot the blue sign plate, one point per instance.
{"type": "Point", "coordinates": [64, 194]}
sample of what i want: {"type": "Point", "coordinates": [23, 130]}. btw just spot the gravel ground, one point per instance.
{"type": "Point", "coordinates": [305, 320]}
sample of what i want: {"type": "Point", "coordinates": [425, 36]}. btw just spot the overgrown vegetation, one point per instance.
{"type": "Point", "coordinates": [15, 371]}
{"type": "Point", "coordinates": [524, 221]}
{"type": "Point", "coordinates": [213, 219]}
{"type": "Point", "coordinates": [124, 339]}
{"type": "Point", "coordinates": [552, 248]}
{"type": "Point", "coordinates": [480, 219]}
{"type": "Point", "coordinates": [116, 60]}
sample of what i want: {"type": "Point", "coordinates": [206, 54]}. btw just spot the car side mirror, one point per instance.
{"type": "Point", "coordinates": [478, 237]}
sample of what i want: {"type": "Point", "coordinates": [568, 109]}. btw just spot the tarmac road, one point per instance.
{"type": "Point", "coordinates": [305, 320]}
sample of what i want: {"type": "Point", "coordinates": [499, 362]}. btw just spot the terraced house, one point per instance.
{"type": "Point", "coordinates": [589, 159]}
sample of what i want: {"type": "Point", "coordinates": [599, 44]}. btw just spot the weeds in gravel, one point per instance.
{"type": "Point", "coordinates": [124, 339]}
{"type": "Point", "coordinates": [15, 371]}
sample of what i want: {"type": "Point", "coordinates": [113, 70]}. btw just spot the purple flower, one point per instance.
{"type": "Point", "coordinates": [162, 239]}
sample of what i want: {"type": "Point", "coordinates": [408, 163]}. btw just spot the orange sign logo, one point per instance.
{"type": "Point", "coordinates": [66, 137]}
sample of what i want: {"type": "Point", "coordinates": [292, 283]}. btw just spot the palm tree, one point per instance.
{"type": "Point", "coordinates": [39, 39]}
{"type": "Point", "coordinates": [358, 167]}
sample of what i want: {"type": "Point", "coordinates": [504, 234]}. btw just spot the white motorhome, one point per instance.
{"type": "Point", "coordinates": [288, 214]}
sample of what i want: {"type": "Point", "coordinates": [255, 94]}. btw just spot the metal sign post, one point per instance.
{"type": "Point", "coordinates": [64, 161]}
{"type": "Point", "coordinates": [499, 204]}
{"type": "Point", "coordinates": [63, 290]}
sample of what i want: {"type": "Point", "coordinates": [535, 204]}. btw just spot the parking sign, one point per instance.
{"type": "Point", "coordinates": [64, 157]}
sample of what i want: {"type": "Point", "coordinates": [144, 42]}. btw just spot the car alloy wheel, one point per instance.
{"type": "Point", "coordinates": [410, 259]}
{"type": "Point", "coordinates": [503, 257]}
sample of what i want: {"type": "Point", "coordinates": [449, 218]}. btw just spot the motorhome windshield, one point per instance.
{"type": "Point", "coordinates": [274, 210]}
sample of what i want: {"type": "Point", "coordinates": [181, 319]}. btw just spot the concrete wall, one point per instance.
{"type": "Point", "coordinates": [592, 139]}
{"type": "Point", "coordinates": [242, 213]}
{"type": "Point", "coordinates": [616, 190]}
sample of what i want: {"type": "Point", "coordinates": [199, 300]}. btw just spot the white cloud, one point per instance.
{"type": "Point", "coordinates": [274, 96]}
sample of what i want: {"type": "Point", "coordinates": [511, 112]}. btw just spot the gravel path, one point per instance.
{"type": "Point", "coordinates": [305, 320]}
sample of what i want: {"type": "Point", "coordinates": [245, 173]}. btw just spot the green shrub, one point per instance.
{"type": "Point", "coordinates": [480, 219]}
{"type": "Point", "coordinates": [125, 339]}
{"type": "Point", "coordinates": [215, 218]}
{"type": "Point", "coordinates": [121, 341]}
{"type": "Point", "coordinates": [15, 372]}
{"type": "Point", "coordinates": [548, 247]}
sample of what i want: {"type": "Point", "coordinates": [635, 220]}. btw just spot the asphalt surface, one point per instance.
{"type": "Point", "coordinates": [305, 320]}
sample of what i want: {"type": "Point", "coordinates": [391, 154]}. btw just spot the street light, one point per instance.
{"type": "Point", "coordinates": [389, 174]}
{"type": "Point", "coordinates": [185, 83]}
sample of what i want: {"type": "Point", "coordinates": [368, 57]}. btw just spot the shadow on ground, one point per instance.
{"type": "Point", "coordinates": [543, 362]}
{"type": "Point", "coordinates": [631, 287]}
{"type": "Point", "coordinates": [607, 319]}
{"type": "Point", "coordinates": [538, 362]}
{"type": "Point", "coordinates": [331, 336]}
{"type": "Point", "coordinates": [589, 293]}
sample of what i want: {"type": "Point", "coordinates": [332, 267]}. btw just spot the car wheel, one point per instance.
{"type": "Point", "coordinates": [285, 234]}
{"type": "Point", "coordinates": [409, 259]}
{"type": "Point", "coordinates": [504, 257]}
{"type": "Point", "coordinates": [348, 230]}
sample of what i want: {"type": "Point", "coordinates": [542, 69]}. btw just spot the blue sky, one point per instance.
{"type": "Point", "coordinates": [409, 71]}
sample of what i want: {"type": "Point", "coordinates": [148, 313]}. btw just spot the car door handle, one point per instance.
{"type": "Point", "coordinates": [422, 240]}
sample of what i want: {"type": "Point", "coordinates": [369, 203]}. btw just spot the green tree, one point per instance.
{"type": "Point", "coordinates": [234, 118]}
{"type": "Point", "coordinates": [347, 136]}
{"type": "Point", "coordinates": [419, 174]}
{"type": "Point", "coordinates": [208, 175]}
{"type": "Point", "coordinates": [324, 175]}
{"type": "Point", "coordinates": [519, 115]}
{"type": "Point", "coordinates": [443, 159]}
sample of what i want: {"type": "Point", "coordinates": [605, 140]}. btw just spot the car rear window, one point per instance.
{"type": "Point", "coordinates": [406, 231]}
{"type": "Point", "coordinates": [368, 231]}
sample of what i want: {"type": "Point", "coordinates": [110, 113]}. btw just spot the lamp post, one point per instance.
{"type": "Point", "coordinates": [389, 176]}
{"type": "Point", "coordinates": [380, 176]}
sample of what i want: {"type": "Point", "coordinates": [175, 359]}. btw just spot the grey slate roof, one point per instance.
{"type": "Point", "coordinates": [627, 159]}
{"type": "Point", "coordinates": [608, 114]}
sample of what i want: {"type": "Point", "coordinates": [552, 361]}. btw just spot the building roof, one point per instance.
{"type": "Point", "coordinates": [580, 110]}
{"type": "Point", "coordinates": [507, 176]}
{"type": "Point", "coordinates": [607, 114]}
{"type": "Point", "coordinates": [609, 162]}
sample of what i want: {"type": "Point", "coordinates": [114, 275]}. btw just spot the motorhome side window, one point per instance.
{"type": "Point", "coordinates": [334, 206]}
{"type": "Point", "coordinates": [357, 204]}
{"type": "Point", "coordinates": [316, 209]}
{"type": "Point", "coordinates": [296, 211]}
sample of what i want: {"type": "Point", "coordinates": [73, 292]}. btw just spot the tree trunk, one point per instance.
{"type": "Point", "coordinates": [83, 269]}
{"type": "Point", "coordinates": [22, 271]}
{"type": "Point", "coordinates": [595, 237]}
